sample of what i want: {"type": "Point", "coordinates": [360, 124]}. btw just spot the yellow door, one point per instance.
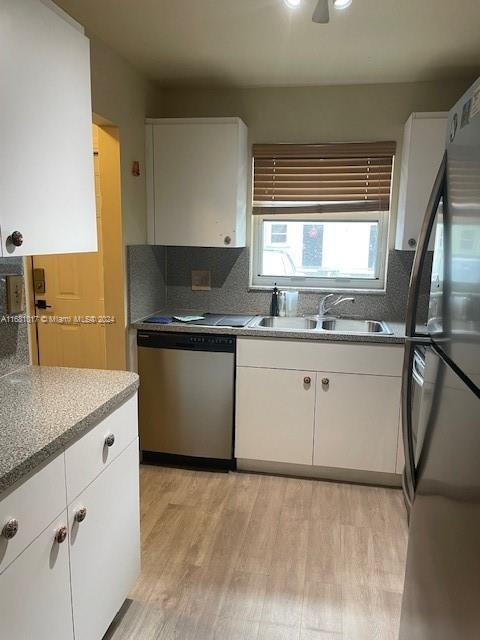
{"type": "Point", "coordinates": [70, 331]}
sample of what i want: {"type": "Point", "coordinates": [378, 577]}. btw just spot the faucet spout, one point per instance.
{"type": "Point", "coordinates": [325, 306]}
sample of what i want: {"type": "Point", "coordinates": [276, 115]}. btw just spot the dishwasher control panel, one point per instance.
{"type": "Point", "coordinates": [188, 341]}
{"type": "Point", "coordinates": [218, 340]}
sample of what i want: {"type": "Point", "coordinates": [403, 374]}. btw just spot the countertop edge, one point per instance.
{"type": "Point", "coordinates": [30, 465]}
{"type": "Point", "coordinates": [397, 337]}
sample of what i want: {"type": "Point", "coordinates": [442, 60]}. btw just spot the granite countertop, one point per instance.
{"type": "Point", "coordinates": [397, 337]}
{"type": "Point", "coordinates": [44, 409]}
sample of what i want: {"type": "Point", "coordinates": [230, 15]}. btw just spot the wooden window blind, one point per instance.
{"type": "Point", "coordinates": [300, 178]}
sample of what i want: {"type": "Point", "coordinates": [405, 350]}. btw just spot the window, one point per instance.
{"type": "Point", "coordinates": [321, 215]}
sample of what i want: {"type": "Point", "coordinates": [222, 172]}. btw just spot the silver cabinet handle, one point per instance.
{"type": "Point", "coordinates": [110, 440]}
{"type": "Point", "coordinates": [10, 529]}
{"type": "Point", "coordinates": [61, 535]}
{"type": "Point", "coordinates": [81, 514]}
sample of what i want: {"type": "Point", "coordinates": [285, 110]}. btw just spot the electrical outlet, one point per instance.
{"type": "Point", "coordinates": [201, 280]}
{"type": "Point", "coordinates": [15, 294]}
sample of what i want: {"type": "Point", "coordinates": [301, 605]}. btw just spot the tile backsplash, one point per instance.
{"type": "Point", "coordinates": [146, 280]}
{"type": "Point", "coordinates": [160, 278]}
{"type": "Point", "coordinates": [13, 335]}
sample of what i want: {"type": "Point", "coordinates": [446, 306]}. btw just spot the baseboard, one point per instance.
{"type": "Point", "coordinates": [320, 473]}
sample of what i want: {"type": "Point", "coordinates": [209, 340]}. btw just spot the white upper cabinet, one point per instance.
{"type": "Point", "coordinates": [197, 181]}
{"type": "Point", "coordinates": [46, 156]}
{"type": "Point", "coordinates": [423, 147]}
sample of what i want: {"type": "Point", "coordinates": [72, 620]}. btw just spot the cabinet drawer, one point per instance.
{"type": "Point", "coordinates": [341, 357]}
{"type": "Point", "coordinates": [34, 504]}
{"type": "Point", "coordinates": [87, 458]}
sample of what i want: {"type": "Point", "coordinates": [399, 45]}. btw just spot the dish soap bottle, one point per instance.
{"type": "Point", "coordinates": [274, 305]}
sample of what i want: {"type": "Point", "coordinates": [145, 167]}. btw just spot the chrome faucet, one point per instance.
{"type": "Point", "coordinates": [325, 308]}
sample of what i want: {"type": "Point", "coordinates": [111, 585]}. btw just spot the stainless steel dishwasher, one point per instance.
{"type": "Point", "coordinates": [186, 398]}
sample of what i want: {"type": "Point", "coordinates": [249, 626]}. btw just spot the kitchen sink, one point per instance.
{"type": "Point", "coordinates": [347, 325]}
{"type": "Point", "coordinates": [294, 323]}
{"type": "Point", "coordinates": [323, 325]}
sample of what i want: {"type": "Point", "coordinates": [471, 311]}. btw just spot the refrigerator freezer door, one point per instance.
{"type": "Point", "coordinates": [454, 321]}
{"type": "Point", "coordinates": [442, 583]}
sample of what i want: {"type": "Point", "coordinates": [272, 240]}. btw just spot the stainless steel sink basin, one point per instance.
{"type": "Point", "coordinates": [346, 325]}
{"type": "Point", "coordinates": [324, 325]}
{"type": "Point", "coordinates": [287, 324]}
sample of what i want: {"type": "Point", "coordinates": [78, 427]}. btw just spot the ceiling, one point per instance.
{"type": "Point", "coordinates": [263, 43]}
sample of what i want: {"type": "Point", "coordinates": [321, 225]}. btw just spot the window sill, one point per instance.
{"type": "Point", "coordinates": [318, 290]}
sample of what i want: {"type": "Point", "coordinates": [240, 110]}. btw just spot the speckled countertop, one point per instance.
{"type": "Point", "coordinates": [396, 337]}
{"type": "Point", "coordinates": [44, 409]}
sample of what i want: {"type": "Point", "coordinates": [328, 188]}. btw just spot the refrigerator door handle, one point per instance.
{"type": "Point", "coordinates": [422, 247]}
{"type": "Point", "coordinates": [409, 471]}
{"type": "Point", "coordinates": [416, 378]}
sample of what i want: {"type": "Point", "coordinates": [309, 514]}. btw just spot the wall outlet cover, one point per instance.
{"type": "Point", "coordinates": [201, 280]}
{"type": "Point", "coordinates": [15, 294]}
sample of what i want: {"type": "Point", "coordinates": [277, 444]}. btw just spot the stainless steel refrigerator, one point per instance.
{"type": "Point", "coordinates": [441, 400]}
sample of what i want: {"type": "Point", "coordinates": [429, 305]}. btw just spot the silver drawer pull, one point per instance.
{"type": "Point", "coordinates": [81, 514]}
{"type": "Point", "coordinates": [10, 529]}
{"type": "Point", "coordinates": [110, 440]}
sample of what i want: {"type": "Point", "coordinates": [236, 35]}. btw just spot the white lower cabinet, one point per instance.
{"type": "Point", "coordinates": [275, 415]}
{"type": "Point", "coordinates": [104, 550]}
{"type": "Point", "coordinates": [35, 600]}
{"type": "Point", "coordinates": [342, 415]}
{"type": "Point", "coordinates": [356, 421]}
{"type": "Point", "coordinates": [71, 586]}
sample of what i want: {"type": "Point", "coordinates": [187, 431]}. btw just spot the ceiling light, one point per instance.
{"type": "Point", "coordinates": [341, 4]}
{"type": "Point", "coordinates": [292, 4]}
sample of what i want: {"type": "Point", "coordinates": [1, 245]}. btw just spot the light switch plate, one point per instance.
{"type": "Point", "coordinates": [15, 294]}
{"type": "Point", "coordinates": [201, 280]}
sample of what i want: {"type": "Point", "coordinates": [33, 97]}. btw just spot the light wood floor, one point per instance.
{"type": "Point", "coordinates": [250, 557]}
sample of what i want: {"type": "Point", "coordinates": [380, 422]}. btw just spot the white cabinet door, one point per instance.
{"type": "Point", "coordinates": [423, 147]}
{"type": "Point", "coordinates": [105, 546]}
{"type": "Point", "coordinates": [356, 421]}
{"type": "Point", "coordinates": [197, 181]}
{"type": "Point", "coordinates": [46, 155]}
{"type": "Point", "coordinates": [35, 601]}
{"type": "Point", "coordinates": [275, 415]}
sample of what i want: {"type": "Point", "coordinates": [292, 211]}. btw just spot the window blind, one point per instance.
{"type": "Point", "coordinates": [299, 178]}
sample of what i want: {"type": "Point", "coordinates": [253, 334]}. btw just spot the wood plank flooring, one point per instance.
{"type": "Point", "coordinates": [251, 557]}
